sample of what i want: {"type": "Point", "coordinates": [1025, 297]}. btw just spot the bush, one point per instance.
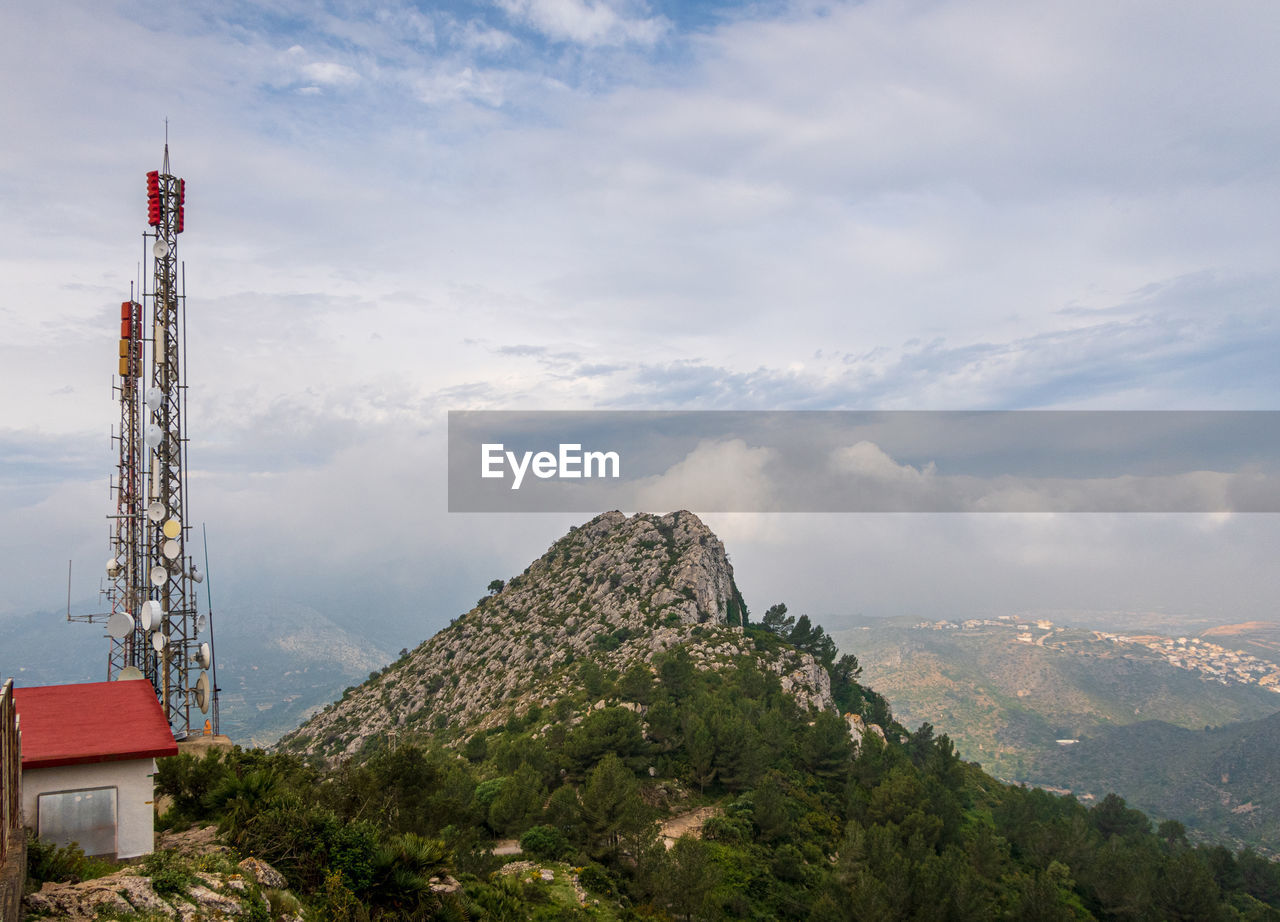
{"type": "Point", "coordinates": [168, 873]}
{"type": "Point", "coordinates": [545, 842]}
{"type": "Point", "coordinates": [65, 864]}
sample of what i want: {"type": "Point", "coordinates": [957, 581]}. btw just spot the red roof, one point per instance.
{"type": "Point", "coordinates": [91, 722]}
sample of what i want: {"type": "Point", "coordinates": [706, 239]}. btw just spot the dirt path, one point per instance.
{"type": "Point", "coordinates": [686, 824]}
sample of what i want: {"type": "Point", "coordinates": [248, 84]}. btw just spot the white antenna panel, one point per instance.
{"type": "Point", "coordinates": [202, 692]}
{"type": "Point", "coordinates": [120, 625]}
{"type": "Point", "coordinates": [152, 616]}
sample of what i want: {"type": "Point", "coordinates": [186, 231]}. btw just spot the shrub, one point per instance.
{"type": "Point", "coordinates": [545, 842]}
{"type": "Point", "coordinates": [168, 873]}
{"type": "Point", "coordinates": [68, 863]}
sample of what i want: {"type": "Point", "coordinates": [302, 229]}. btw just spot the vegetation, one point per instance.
{"type": "Point", "coordinates": [809, 827]}
{"type": "Point", "coordinates": [46, 861]}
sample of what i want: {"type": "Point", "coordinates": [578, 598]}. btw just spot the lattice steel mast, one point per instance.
{"type": "Point", "coordinates": [154, 622]}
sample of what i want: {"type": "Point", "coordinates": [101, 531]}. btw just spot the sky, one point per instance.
{"type": "Point", "coordinates": [395, 210]}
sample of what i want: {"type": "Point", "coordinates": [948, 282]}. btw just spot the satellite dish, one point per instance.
{"type": "Point", "coordinates": [155, 511]}
{"type": "Point", "coordinates": [113, 566]}
{"type": "Point", "coordinates": [196, 576]}
{"type": "Point", "coordinates": [172, 528]}
{"type": "Point", "coordinates": [129, 673]}
{"type": "Point", "coordinates": [201, 623]}
{"type": "Point", "coordinates": [202, 692]}
{"type": "Point", "coordinates": [159, 576]}
{"type": "Point", "coordinates": [171, 548]}
{"type": "Point", "coordinates": [152, 615]}
{"type": "Point", "coordinates": [160, 249]}
{"type": "Point", "coordinates": [204, 656]}
{"type": "Point", "coordinates": [154, 436]}
{"type": "Point", "coordinates": [154, 396]}
{"type": "Point", "coordinates": [159, 641]}
{"type": "Point", "coordinates": [120, 625]}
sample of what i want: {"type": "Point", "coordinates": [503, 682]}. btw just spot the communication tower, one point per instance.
{"type": "Point", "coordinates": [154, 622]}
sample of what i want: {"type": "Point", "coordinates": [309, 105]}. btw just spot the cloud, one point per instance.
{"type": "Point", "coordinates": [715, 475]}
{"type": "Point", "coordinates": [868, 460]}
{"type": "Point", "coordinates": [587, 22]}
{"type": "Point", "coordinates": [330, 73]}
{"type": "Point", "coordinates": [860, 205]}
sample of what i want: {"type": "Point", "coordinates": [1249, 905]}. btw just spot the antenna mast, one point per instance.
{"type": "Point", "coordinates": [154, 623]}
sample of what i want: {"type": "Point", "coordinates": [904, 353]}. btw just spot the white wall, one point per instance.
{"type": "Point", "coordinates": [135, 831]}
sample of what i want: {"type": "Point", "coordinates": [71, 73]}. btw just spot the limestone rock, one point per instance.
{"type": "Point", "coordinates": [618, 591]}
{"type": "Point", "coordinates": [214, 896]}
{"type": "Point", "coordinates": [263, 874]}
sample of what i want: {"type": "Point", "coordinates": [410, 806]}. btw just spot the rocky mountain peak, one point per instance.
{"type": "Point", "coordinates": [616, 591]}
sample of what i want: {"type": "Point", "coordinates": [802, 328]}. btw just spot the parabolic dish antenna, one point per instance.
{"type": "Point", "coordinates": [204, 656]}
{"type": "Point", "coordinates": [159, 249]}
{"type": "Point", "coordinates": [202, 622]}
{"type": "Point", "coordinates": [159, 641]}
{"type": "Point", "coordinates": [159, 576]}
{"type": "Point", "coordinates": [155, 511]}
{"type": "Point", "coordinates": [171, 548]}
{"type": "Point", "coordinates": [154, 396]}
{"type": "Point", "coordinates": [152, 615]}
{"type": "Point", "coordinates": [172, 528]}
{"type": "Point", "coordinates": [120, 625]}
{"type": "Point", "coordinates": [129, 673]}
{"type": "Point", "coordinates": [154, 435]}
{"type": "Point", "coordinates": [202, 692]}
{"type": "Point", "coordinates": [113, 567]}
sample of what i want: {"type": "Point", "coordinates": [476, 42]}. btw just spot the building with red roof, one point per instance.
{"type": "Point", "coordinates": [88, 762]}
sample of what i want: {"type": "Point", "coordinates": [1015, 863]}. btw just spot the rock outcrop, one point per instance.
{"type": "Point", "coordinates": [128, 892]}
{"type": "Point", "coordinates": [616, 591]}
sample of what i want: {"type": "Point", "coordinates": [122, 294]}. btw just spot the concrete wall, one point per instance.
{"type": "Point", "coordinates": [135, 823]}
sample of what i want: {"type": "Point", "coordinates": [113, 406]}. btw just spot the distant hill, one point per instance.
{"type": "Point", "coordinates": [277, 661]}
{"type": "Point", "coordinates": [1222, 782]}
{"type": "Point", "coordinates": [606, 598]}
{"type": "Point", "coordinates": [1006, 695]}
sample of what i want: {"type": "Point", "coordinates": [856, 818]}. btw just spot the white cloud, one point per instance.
{"type": "Point", "coordinates": [330, 73]}
{"type": "Point", "coordinates": [869, 460]}
{"type": "Point", "coordinates": [587, 22]}
{"type": "Point", "coordinates": [715, 475]}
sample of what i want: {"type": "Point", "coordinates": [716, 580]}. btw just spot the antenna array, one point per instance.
{"type": "Point", "coordinates": [154, 624]}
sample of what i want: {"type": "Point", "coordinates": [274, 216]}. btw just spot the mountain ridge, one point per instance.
{"type": "Point", "coordinates": [611, 594]}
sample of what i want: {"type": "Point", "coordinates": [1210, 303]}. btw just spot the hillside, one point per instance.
{"type": "Point", "coordinates": [1222, 782]}
{"type": "Point", "coordinates": [610, 736]}
{"type": "Point", "coordinates": [1006, 695]}
{"type": "Point", "coordinates": [603, 599]}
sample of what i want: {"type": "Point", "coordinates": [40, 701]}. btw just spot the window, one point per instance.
{"type": "Point", "coordinates": [87, 817]}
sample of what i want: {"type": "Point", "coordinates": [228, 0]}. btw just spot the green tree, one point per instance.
{"type": "Point", "coordinates": [700, 748]}
{"type": "Point", "coordinates": [518, 802]}
{"type": "Point", "coordinates": [776, 620]}
{"type": "Point", "coordinates": [636, 684]}
{"type": "Point", "coordinates": [611, 804]}
{"type": "Point", "coordinates": [690, 879]}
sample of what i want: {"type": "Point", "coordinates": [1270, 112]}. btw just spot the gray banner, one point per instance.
{"type": "Point", "coordinates": [845, 461]}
